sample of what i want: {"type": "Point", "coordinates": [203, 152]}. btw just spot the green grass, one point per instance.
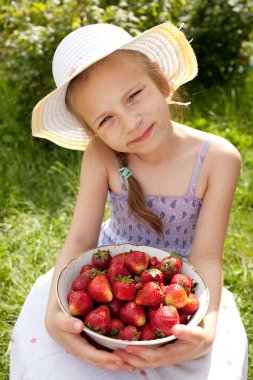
{"type": "Point", "coordinates": [39, 182]}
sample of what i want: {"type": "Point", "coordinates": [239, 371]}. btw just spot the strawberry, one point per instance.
{"type": "Point", "coordinates": [136, 261]}
{"type": "Point", "coordinates": [123, 288]}
{"type": "Point", "coordinates": [82, 281]}
{"type": "Point", "coordinates": [170, 265]}
{"type": "Point", "coordinates": [101, 259]}
{"type": "Point", "coordinates": [129, 333]}
{"type": "Point", "coordinates": [80, 302]}
{"type": "Point", "coordinates": [175, 295]}
{"type": "Point", "coordinates": [183, 319]}
{"type": "Point", "coordinates": [152, 274]}
{"type": "Point", "coordinates": [115, 306]}
{"type": "Point", "coordinates": [117, 269]}
{"type": "Point", "coordinates": [85, 268]}
{"type": "Point", "coordinates": [183, 280]}
{"type": "Point", "coordinates": [150, 311]}
{"type": "Point", "coordinates": [162, 287]}
{"type": "Point", "coordinates": [133, 314]}
{"type": "Point", "coordinates": [116, 326]}
{"type": "Point", "coordinates": [120, 257]}
{"type": "Point", "coordinates": [99, 320]}
{"type": "Point", "coordinates": [191, 305]}
{"type": "Point", "coordinates": [153, 261]}
{"type": "Point", "coordinates": [100, 288]}
{"type": "Point", "coordinates": [149, 295]}
{"type": "Point", "coordinates": [163, 320]}
{"type": "Point", "coordinates": [147, 333]}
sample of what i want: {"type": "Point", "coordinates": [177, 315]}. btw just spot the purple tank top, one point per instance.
{"type": "Point", "coordinates": [179, 216]}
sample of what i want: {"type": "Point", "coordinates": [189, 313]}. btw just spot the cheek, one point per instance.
{"type": "Point", "coordinates": [110, 136]}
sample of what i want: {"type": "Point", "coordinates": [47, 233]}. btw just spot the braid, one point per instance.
{"type": "Point", "coordinates": [136, 201]}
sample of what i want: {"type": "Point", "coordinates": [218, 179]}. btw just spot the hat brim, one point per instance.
{"type": "Point", "coordinates": [164, 43]}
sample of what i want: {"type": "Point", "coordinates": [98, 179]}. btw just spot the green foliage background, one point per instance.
{"type": "Point", "coordinates": [39, 180]}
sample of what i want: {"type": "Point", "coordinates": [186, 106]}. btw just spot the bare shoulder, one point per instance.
{"type": "Point", "coordinates": [98, 156]}
{"type": "Point", "coordinates": [224, 154]}
{"type": "Point", "coordinates": [98, 151]}
{"type": "Point", "coordinates": [223, 163]}
{"type": "Point", "coordinates": [220, 150]}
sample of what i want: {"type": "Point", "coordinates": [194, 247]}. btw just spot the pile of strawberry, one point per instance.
{"type": "Point", "coordinates": [132, 296]}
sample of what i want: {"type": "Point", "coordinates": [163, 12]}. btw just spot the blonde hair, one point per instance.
{"type": "Point", "coordinates": [136, 199]}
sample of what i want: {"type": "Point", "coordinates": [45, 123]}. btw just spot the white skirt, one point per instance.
{"type": "Point", "coordinates": [35, 356]}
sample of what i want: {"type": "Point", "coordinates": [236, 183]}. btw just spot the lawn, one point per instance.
{"type": "Point", "coordinates": [39, 182]}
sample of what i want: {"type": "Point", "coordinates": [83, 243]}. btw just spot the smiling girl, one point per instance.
{"type": "Point", "coordinates": [169, 185]}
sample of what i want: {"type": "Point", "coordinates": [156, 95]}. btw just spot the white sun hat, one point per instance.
{"type": "Point", "coordinates": [165, 44]}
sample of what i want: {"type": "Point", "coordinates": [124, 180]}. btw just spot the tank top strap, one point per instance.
{"type": "Point", "coordinates": [198, 164]}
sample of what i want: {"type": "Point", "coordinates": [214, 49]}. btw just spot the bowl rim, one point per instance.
{"type": "Point", "coordinates": [157, 341]}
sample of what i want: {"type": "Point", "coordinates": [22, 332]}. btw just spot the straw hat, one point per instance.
{"type": "Point", "coordinates": [164, 43]}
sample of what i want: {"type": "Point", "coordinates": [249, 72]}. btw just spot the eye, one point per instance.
{"type": "Point", "coordinates": [132, 96]}
{"type": "Point", "coordinates": [105, 120]}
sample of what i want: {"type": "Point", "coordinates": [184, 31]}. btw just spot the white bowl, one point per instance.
{"type": "Point", "coordinates": [72, 270]}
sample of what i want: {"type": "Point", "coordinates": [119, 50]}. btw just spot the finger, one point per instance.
{"type": "Point", "coordinates": [69, 337]}
{"type": "Point", "coordinates": [82, 350]}
{"type": "Point", "coordinates": [133, 360]}
{"type": "Point", "coordinates": [187, 333]}
{"type": "Point", "coordinates": [69, 324]}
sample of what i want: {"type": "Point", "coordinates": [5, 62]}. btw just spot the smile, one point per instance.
{"type": "Point", "coordinates": [144, 136]}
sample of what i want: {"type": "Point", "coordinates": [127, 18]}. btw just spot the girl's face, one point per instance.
{"type": "Point", "coordinates": [123, 106]}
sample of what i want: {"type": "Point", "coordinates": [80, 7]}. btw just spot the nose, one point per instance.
{"type": "Point", "coordinates": [132, 121]}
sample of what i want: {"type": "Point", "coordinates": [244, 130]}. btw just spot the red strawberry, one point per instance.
{"type": "Point", "coordinates": [100, 288]}
{"type": "Point", "coordinates": [150, 311]}
{"type": "Point", "coordinates": [101, 259]}
{"type": "Point", "coordinates": [80, 302]}
{"type": "Point", "coordinates": [82, 281]}
{"type": "Point", "coordinates": [153, 261]}
{"type": "Point", "coordinates": [183, 319]}
{"type": "Point", "coordinates": [123, 288]}
{"type": "Point", "coordinates": [129, 333]}
{"type": "Point", "coordinates": [183, 280]}
{"type": "Point", "coordinates": [162, 287]}
{"type": "Point", "coordinates": [99, 320]}
{"type": "Point", "coordinates": [192, 304]}
{"type": "Point", "coordinates": [133, 314]}
{"type": "Point", "coordinates": [147, 333]}
{"type": "Point", "coordinates": [116, 326]}
{"type": "Point", "coordinates": [136, 261]}
{"type": "Point", "coordinates": [117, 269]}
{"type": "Point", "coordinates": [114, 306]}
{"type": "Point", "coordinates": [175, 295]}
{"type": "Point", "coordinates": [152, 274]}
{"type": "Point", "coordinates": [149, 295]}
{"type": "Point", "coordinates": [163, 320]}
{"type": "Point", "coordinates": [170, 265]}
{"type": "Point", "coordinates": [120, 257]}
{"type": "Point", "coordinates": [85, 268]}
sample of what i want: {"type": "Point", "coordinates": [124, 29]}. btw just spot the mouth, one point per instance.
{"type": "Point", "coordinates": [144, 135]}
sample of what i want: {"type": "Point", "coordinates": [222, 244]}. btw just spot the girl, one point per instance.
{"type": "Point", "coordinates": [176, 192]}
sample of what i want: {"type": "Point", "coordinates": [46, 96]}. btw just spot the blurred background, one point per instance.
{"type": "Point", "coordinates": [39, 180]}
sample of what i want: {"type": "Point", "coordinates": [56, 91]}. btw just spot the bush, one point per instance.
{"type": "Point", "coordinates": [29, 35]}
{"type": "Point", "coordinates": [219, 29]}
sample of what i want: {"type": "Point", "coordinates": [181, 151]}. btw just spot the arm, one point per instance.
{"type": "Point", "coordinates": [223, 168]}
{"type": "Point", "coordinates": [207, 249]}
{"type": "Point", "coordinates": [83, 235]}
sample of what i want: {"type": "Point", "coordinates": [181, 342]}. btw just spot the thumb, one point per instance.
{"type": "Point", "coordinates": [184, 332]}
{"type": "Point", "coordinates": [69, 324]}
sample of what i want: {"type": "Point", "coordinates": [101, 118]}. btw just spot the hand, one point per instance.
{"type": "Point", "coordinates": [191, 343]}
{"type": "Point", "coordinates": [66, 331]}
